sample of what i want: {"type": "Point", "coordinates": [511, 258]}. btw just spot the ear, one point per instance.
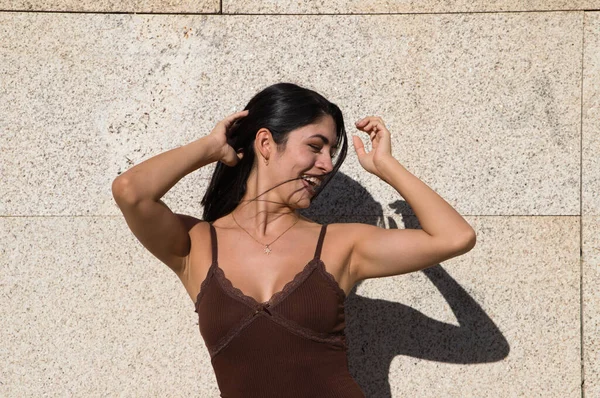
{"type": "Point", "coordinates": [263, 143]}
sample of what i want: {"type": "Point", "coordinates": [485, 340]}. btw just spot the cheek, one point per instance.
{"type": "Point", "coordinates": [298, 161]}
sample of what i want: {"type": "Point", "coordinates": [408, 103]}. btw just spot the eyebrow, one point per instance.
{"type": "Point", "coordinates": [321, 136]}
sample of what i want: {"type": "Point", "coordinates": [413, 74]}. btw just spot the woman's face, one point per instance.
{"type": "Point", "coordinates": [308, 153]}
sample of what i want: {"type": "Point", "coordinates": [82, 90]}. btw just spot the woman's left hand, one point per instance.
{"type": "Point", "coordinates": [381, 143]}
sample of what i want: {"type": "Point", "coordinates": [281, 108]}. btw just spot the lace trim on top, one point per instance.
{"type": "Point", "coordinates": [277, 296]}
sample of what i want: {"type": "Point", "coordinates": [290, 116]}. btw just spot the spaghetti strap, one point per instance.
{"type": "Point", "coordinates": [213, 241]}
{"type": "Point", "coordinates": [320, 242]}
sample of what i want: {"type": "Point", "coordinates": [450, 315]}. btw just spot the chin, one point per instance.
{"type": "Point", "coordinates": [303, 203]}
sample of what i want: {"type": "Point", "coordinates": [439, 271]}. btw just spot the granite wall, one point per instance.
{"type": "Point", "coordinates": [495, 105]}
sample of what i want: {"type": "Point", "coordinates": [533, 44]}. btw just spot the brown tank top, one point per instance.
{"type": "Point", "coordinates": [292, 345]}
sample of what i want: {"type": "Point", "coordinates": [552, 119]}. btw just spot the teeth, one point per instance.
{"type": "Point", "coordinates": [312, 180]}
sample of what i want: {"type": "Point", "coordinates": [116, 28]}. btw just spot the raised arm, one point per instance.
{"type": "Point", "coordinates": [379, 252]}
{"type": "Point", "coordinates": [138, 192]}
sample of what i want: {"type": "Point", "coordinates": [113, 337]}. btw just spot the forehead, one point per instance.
{"type": "Point", "coordinates": [325, 126]}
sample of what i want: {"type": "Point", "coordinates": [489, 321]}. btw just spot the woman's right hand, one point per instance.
{"type": "Point", "coordinates": [224, 152]}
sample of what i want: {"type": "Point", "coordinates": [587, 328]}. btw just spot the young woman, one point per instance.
{"type": "Point", "coordinates": [268, 284]}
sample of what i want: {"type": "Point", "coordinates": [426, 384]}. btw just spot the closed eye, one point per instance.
{"type": "Point", "coordinates": [318, 149]}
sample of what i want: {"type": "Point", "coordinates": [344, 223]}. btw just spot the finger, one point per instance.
{"type": "Point", "coordinates": [359, 147]}
{"type": "Point", "coordinates": [368, 122]}
{"type": "Point", "coordinates": [368, 128]}
{"type": "Point", "coordinates": [231, 118]}
{"type": "Point", "coordinates": [239, 114]}
{"type": "Point", "coordinates": [362, 122]}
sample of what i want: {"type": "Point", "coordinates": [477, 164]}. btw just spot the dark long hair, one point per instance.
{"type": "Point", "coordinates": [281, 108]}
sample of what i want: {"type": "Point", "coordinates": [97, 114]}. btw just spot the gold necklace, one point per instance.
{"type": "Point", "coordinates": [267, 246]}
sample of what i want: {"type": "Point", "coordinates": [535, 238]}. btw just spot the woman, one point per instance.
{"type": "Point", "coordinates": [268, 284]}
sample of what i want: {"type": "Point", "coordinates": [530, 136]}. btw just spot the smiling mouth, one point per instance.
{"type": "Point", "coordinates": [311, 183]}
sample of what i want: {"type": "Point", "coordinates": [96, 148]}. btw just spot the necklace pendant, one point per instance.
{"type": "Point", "coordinates": [267, 249]}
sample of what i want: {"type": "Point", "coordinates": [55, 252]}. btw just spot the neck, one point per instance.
{"type": "Point", "coordinates": [263, 214]}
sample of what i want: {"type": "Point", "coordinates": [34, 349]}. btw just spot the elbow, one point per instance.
{"type": "Point", "coordinates": [121, 190]}
{"type": "Point", "coordinates": [467, 242]}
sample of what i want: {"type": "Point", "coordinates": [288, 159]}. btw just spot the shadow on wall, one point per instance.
{"type": "Point", "coordinates": [379, 330]}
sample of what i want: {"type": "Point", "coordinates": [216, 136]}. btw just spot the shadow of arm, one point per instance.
{"type": "Point", "coordinates": [476, 340]}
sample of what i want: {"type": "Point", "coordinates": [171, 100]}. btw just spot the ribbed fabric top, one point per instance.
{"type": "Point", "coordinates": [292, 345]}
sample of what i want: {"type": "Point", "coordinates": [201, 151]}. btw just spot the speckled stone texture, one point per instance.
{"type": "Point", "coordinates": [591, 304]}
{"type": "Point", "coordinates": [295, 7]}
{"type": "Point", "coordinates": [591, 205]}
{"type": "Point", "coordinates": [403, 6]}
{"type": "Point", "coordinates": [87, 311]}
{"type": "Point", "coordinates": [154, 6]}
{"type": "Point", "coordinates": [484, 108]}
{"type": "Point", "coordinates": [591, 117]}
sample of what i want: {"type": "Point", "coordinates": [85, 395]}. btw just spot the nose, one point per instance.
{"type": "Point", "coordinates": [325, 163]}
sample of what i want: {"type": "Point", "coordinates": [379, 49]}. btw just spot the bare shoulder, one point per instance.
{"type": "Point", "coordinates": [341, 232]}
{"type": "Point", "coordinates": [343, 236]}
{"type": "Point", "coordinates": [346, 234]}
{"type": "Point", "coordinates": [200, 228]}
